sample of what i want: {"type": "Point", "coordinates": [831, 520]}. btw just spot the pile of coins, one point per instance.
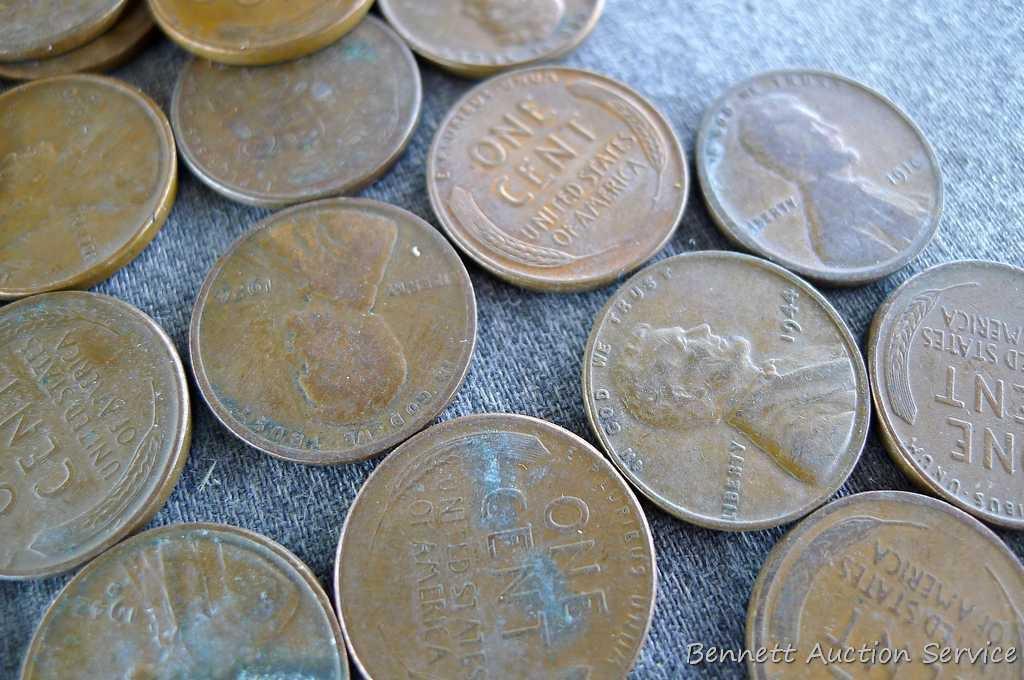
{"type": "Point", "coordinates": [722, 386]}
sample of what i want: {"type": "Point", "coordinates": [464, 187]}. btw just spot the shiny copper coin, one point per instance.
{"type": "Point", "coordinates": [947, 367]}
{"type": "Point", "coordinates": [111, 49]}
{"type": "Point", "coordinates": [495, 546]}
{"type": "Point", "coordinates": [190, 601]}
{"type": "Point", "coordinates": [257, 32]}
{"type": "Point", "coordinates": [727, 390]}
{"type": "Point", "coordinates": [888, 584]}
{"type": "Point", "coordinates": [87, 178]}
{"type": "Point", "coordinates": [94, 428]}
{"type": "Point", "coordinates": [325, 125]}
{"type": "Point", "coordinates": [475, 38]}
{"type": "Point", "coordinates": [557, 179]}
{"type": "Point", "coordinates": [36, 29]}
{"type": "Point", "coordinates": [363, 321]}
{"type": "Point", "coordinates": [820, 174]}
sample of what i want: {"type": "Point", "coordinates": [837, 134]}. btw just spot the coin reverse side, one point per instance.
{"type": "Point", "coordinates": [94, 428]}
{"type": "Point", "coordinates": [727, 390]}
{"type": "Point", "coordinates": [495, 546]}
{"type": "Point", "coordinates": [36, 29]}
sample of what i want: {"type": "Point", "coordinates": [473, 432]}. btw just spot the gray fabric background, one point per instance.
{"type": "Point", "coordinates": [954, 65]}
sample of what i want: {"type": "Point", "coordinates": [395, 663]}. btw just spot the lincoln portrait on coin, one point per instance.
{"type": "Point", "coordinates": [852, 220]}
{"type": "Point", "coordinates": [685, 379]}
{"type": "Point", "coordinates": [516, 22]}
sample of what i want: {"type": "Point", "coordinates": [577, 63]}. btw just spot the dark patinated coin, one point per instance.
{"type": "Point", "coordinates": [820, 174]}
{"type": "Point", "coordinates": [495, 546]}
{"type": "Point", "coordinates": [190, 601]}
{"type": "Point", "coordinates": [888, 584]}
{"type": "Point", "coordinates": [947, 367]}
{"type": "Point", "coordinates": [727, 390]}
{"type": "Point", "coordinates": [36, 29]}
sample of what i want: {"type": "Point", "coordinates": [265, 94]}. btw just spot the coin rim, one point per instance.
{"type": "Point", "coordinates": [176, 459]}
{"type": "Point", "coordinates": [769, 572]}
{"type": "Point", "coordinates": [478, 422]}
{"type": "Point", "coordinates": [540, 283]}
{"type": "Point", "coordinates": [875, 351]}
{"type": "Point", "coordinates": [275, 548]}
{"type": "Point", "coordinates": [164, 197]}
{"type": "Point", "coordinates": [834, 277]}
{"type": "Point", "coordinates": [862, 421]}
{"type": "Point", "coordinates": [366, 451]}
{"type": "Point", "coordinates": [75, 36]}
{"type": "Point", "coordinates": [278, 200]}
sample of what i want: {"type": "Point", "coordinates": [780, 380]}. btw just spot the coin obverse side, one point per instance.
{"type": "Point", "coordinates": [95, 428]}
{"type": "Point", "coordinates": [905, 577]}
{"type": "Point", "coordinates": [820, 174]}
{"type": "Point", "coordinates": [946, 355]}
{"type": "Point", "coordinates": [495, 546]}
{"type": "Point", "coordinates": [36, 29]}
{"type": "Point", "coordinates": [727, 390]}
{"type": "Point", "coordinates": [557, 179]}
{"type": "Point", "coordinates": [87, 179]}
{"type": "Point", "coordinates": [190, 601]}
{"type": "Point", "coordinates": [257, 32]}
{"type": "Point", "coordinates": [476, 38]}
{"type": "Point", "coordinates": [362, 321]}
{"type": "Point", "coordinates": [328, 124]}
{"type": "Point", "coordinates": [113, 48]}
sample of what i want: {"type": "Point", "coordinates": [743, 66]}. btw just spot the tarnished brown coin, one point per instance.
{"type": "Point", "coordinates": [476, 38]}
{"type": "Point", "coordinates": [557, 179]}
{"type": "Point", "coordinates": [321, 126]}
{"type": "Point", "coordinates": [820, 174]}
{"type": "Point", "coordinates": [727, 390]}
{"type": "Point", "coordinates": [495, 546]}
{"type": "Point", "coordinates": [111, 49]}
{"type": "Point", "coordinates": [363, 321]}
{"type": "Point", "coordinates": [947, 368]}
{"type": "Point", "coordinates": [35, 29]}
{"type": "Point", "coordinates": [94, 428]}
{"type": "Point", "coordinates": [888, 584]}
{"type": "Point", "coordinates": [257, 32]}
{"type": "Point", "coordinates": [190, 601]}
{"type": "Point", "coordinates": [87, 178]}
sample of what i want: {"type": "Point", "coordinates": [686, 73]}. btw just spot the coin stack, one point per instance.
{"type": "Point", "coordinates": [720, 385]}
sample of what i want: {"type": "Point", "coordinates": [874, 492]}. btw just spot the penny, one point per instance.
{"type": "Point", "coordinates": [108, 51]}
{"type": "Point", "coordinates": [94, 428]}
{"type": "Point", "coordinates": [495, 546]}
{"type": "Point", "coordinates": [727, 390]}
{"type": "Point", "coordinates": [557, 179]}
{"type": "Point", "coordinates": [820, 174]}
{"type": "Point", "coordinates": [888, 583]}
{"type": "Point", "coordinates": [35, 29]}
{"type": "Point", "coordinates": [190, 601]}
{"type": "Point", "coordinates": [328, 124]}
{"type": "Point", "coordinates": [364, 322]}
{"type": "Point", "coordinates": [946, 356]}
{"type": "Point", "coordinates": [476, 38]}
{"type": "Point", "coordinates": [257, 32]}
{"type": "Point", "coordinates": [87, 179]}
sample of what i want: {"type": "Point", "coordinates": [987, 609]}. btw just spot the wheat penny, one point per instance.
{"type": "Point", "coordinates": [36, 29]}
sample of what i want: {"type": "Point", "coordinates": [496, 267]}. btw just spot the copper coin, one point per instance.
{"type": "Point", "coordinates": [35, 29]}
{"type": "Point", "coordinates": [947, 368]}
{"type": "Point", "coordinates": [190, 601]}
{"type": "Point", "coordinates": [257, 32]}
{"type": "Point", "coordinates": [87, 178]}
{"type": "Point", "coordinates": [476, 38]}
{"type": "Point", "coordinates": [363, 320]}
{"type": "Point", "coordinates": [495, 546]}
{"type": "Point", "coordinates": [94, 428]}
{"type": "Point", "coordinates": [111, 49]}
{"type": "Point", "coordinates": [328, 124]}
{"type": "Point", "coordinates": [727, 390]}
{"type": "Point", "coordinates": [888, 584]}
{"type": "Point", "coordinates": [557, 179]}
{"type": "Point", "coordinates": [821, 174]}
